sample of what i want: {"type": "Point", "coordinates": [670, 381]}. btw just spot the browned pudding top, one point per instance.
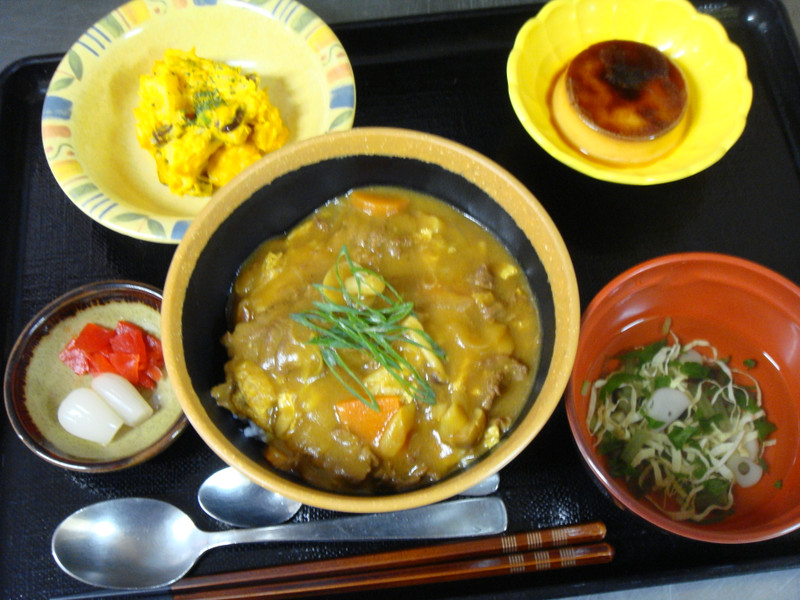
{"type": "Point", "coordinates": [626, 89]}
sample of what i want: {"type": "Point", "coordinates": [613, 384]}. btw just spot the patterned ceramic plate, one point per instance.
{"type": "Point", "coordinates": [88, 125]}
{"type": "Point", "coordinates": [719, 91]}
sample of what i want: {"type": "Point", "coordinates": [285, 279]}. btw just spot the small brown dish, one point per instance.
{"type": "Point", "coordinates": [36, 381]}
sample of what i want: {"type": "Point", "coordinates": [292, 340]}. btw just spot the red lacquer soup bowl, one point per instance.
{"type": "Point", "coordinates": [747, 312]}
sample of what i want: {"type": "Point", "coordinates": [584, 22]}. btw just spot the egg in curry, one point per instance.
{"type": "Point", "coordinates": [204, 121]}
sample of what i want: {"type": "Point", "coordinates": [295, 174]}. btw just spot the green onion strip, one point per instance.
{"type": "Point", "coordinates": [372, 330]}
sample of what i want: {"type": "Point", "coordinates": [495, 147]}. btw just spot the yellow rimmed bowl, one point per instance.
{"type": "Point", "coordinates": [719, 91]}
{"type": "Point", "coordinates": [254, 208]}
{"type": "Point", "coordinates": [88, 127]}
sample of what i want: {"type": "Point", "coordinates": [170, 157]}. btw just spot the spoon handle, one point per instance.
{"type": "Point", "coordinates": [459, 518]}
{"type": "Point", "coordinates": [484, 487]}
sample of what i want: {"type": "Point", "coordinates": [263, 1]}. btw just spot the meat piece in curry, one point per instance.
{"type": "Point", "coordinates": [382, 343]}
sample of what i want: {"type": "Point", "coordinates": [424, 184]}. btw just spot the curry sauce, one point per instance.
{"type": "Point", "coordinates": [471, 335]}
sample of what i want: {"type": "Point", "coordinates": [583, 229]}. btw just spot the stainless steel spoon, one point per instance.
{"type": "Point", "coordinates": [483, 488]}
{"type": "Point", "coordinates": [232, 498]}
{"type": "Point", "coordinates": [139, 543]}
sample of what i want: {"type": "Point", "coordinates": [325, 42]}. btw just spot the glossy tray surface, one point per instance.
{"type": "Point", "coordinates": [445, 75]}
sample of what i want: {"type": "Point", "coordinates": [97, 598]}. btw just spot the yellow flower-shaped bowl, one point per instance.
{"type": "Point", "coordinates": [88, 126]}
{"type": "Point", "coordinates": [719, 92]}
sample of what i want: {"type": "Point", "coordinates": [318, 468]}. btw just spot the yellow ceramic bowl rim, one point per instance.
{"type": "Point", "coordinates": [68, 97]}
{"type": "Point", "coordinates": [493, 179]}
{"type": "Point", "coordinates": [631, 19]}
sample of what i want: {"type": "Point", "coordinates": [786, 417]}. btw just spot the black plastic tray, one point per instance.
{"type": "Point", "coordinates": [446, 75]}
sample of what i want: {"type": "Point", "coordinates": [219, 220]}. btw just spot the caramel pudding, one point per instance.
{"type": "Point", "coordinates": [621, 102]}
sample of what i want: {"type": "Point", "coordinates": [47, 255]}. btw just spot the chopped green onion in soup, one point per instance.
{"type": "Point", "coordinates": [681, 426]}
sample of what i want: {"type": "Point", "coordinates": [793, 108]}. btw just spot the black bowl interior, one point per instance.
{"type": "Point", "coordinates": [276, 208]}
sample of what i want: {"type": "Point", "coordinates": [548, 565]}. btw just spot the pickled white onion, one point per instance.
{"type": "Point", "coordinates": [123, 397]}
{"type": "Point", "coordinates": [84, 414]}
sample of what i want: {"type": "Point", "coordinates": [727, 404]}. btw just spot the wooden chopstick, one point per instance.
{"type": "Point", "coordinates": [506, 564]}
{"type": "Point", "coordinates": [558, 547]}
{"type": "Point", "coordinates": [452, 551]}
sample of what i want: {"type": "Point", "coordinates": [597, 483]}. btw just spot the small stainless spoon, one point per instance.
{"type": "Point", "coordinates": [232, 498]}
{"type": "Point", "coordinates": [483, 488]}
{"type": "Point", "coordinates": [139, 543]}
